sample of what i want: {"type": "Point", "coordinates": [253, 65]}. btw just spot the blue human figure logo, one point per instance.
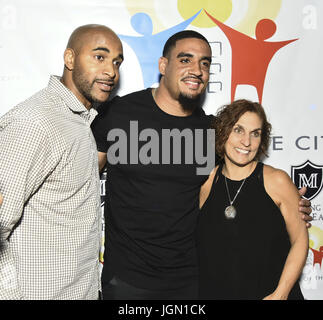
{"type": "Point", "coordinates": [148, 47]}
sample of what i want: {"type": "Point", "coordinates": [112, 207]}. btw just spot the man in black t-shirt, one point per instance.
{"type": "Point", "coordinates": [159, 153]}
{"type": "Point", "coordinates": [152, 195]}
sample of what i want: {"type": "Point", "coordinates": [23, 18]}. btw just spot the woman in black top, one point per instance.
{"type": "Point", "coordinates": [252, 243]}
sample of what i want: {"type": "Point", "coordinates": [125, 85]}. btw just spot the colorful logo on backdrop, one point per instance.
{"type": "Point", "coordinates": [312, 274]}
{"type": "Point", "coordinates": [316, 245]}
{"type": "Point", "coordinates": [253, 25]}
{"type": "Point", "coordinates": [251, 57]}
{"type": "Point", "coordinates": [148, 47]}
{"type": "Point", "coordinates": [308, 175]}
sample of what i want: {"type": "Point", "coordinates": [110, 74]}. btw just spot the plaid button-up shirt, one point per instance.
{"type": "Point", "coordinates": [50, 220]}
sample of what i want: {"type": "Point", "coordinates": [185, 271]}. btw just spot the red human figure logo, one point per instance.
{"type": "Point", "coordinates": [318, 256]}
{"type": "Point", "coordinates": [251, 57]}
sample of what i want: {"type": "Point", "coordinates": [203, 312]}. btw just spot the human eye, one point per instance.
{"type": "Point", "coordinates": [99, 57]}
{"type": "Point", "coordinates": [256, 134]}
{"type": "Point", "coordinates": [184, 60]}
{"type": "Point", "coordinates": [117, 63]}
{"type": "Point", "coordinates": [237, 129]}
{"type": "Point", "coordinates": [206, 64]}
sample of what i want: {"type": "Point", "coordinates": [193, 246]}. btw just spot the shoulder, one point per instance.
{"type": "Point", "coordinates": [22, 132]}
{"type": "Point", "coordinates": [104, 111]}
{"type": "Point", "coordinates": [122, 104]}
{"type": "Point", "coordinates": [137, 97]}
{"type": "Point", "coordinates": [278, 184]}
{"type": "Point", "coordinates": [200, 120]}
{"type": "Point", "coordinates": [32, 114]}
{"type": "Point", "coordinates": [209, 181]}
{"type": "Point", "coordinates": [276, 177]}
{"type": "Point", "coordinates": [207, 119]}
{"type": "Point", "coordinates": [206, 187]}
{"type": "Point", "coordinates": [214, 171]}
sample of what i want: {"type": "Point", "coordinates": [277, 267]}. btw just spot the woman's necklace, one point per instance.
{"type": "Point", "coordinates": [230, 211]}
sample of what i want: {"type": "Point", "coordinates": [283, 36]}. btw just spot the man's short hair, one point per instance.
{"type": "Point", "coordinates": [171, 42]}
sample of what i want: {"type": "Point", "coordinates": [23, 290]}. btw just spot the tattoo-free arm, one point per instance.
{"type": "Point", "coordinates": [102, 159]}
{"type": "Point", "coordinates": [282, 190]}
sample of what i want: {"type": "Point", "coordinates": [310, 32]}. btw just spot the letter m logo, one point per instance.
{"type": "Point", "coordinates": [310, 176]}
{"type": "Point", "coordinates": [310, 182]}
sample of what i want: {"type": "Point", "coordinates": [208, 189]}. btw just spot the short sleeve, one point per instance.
{"type": "Point", "coordinates": [100, 125]}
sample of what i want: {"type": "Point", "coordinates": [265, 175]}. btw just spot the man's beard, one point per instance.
{"type": "Point", "coordinates": [189, 103]}
{"type": "Point", "coordinates": [84, 86]}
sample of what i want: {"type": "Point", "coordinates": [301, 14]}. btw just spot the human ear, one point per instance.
{"type": "Point", "coordinates": [69, 56]}
{"type": "Point", "coordinates": [162, 64]}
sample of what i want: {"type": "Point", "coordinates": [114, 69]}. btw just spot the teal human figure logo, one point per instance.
{"type": "Point", "coordinates": [148, 47]}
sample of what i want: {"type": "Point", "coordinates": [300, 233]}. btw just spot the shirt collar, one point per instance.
{"type": "Point", "coordinates": [56, 86]}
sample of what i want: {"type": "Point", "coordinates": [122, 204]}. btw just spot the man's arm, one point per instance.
{"type": "Point", "coordinates": [102, 159]}
{"type": "Point", "coordinates": [23, 168]}
{"type": "Point", "coordinates": [305, 208]}
{"type": "Point", "coordinates": [281, 189]}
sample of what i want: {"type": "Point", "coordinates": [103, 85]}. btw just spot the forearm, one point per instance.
{"type": "Point", "coordinates": [293, 266]}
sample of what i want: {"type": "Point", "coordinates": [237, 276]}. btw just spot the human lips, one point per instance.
{"type": "Point", "coordinates": [192, 82]}
{"type": "Point", "coordinates": [243, 151]}
{"type": "Point", "coordinates": [105, 85]}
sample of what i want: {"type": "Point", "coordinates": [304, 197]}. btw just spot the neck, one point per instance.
{"type": "Point", "coordinates": [167, 103]}
{"type": "Point", "coordinates": [235, 172]}
{"type": "Point", "coordinates": [67, 81]}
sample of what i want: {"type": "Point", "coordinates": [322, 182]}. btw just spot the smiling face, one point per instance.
{"type": "Point", "coordinates": [244, 140]}
{"type": "Point", "coordinates": [94, 65]}
{"type": "Point", "coordinates": [186, 70]}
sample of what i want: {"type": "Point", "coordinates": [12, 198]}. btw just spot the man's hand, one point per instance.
{"type": "Point", "coordinates": [305, 208]}
{"type": "Point", "coordinates": [1, 199]}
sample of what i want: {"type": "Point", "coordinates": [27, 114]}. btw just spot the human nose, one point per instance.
{"type": "Point", "coordinates": [109, 70]}
{"type": "Point", "coordinates": [245, 140]}
{"type": "Point", "coordinates": [196, 69]}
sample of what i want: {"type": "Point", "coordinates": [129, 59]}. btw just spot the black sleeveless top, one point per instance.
{"type": "Point", "coordinates": [241, 258]}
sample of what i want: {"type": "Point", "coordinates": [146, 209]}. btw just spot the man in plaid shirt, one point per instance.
{"type": "Point", "coordinates": [50, 220]}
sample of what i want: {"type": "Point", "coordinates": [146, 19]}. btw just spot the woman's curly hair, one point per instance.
{"type": "Point", "coordinates": [228, 115]}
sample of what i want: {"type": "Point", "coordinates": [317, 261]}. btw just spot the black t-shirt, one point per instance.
{"type": "Point", "coordinates": [151, 208]}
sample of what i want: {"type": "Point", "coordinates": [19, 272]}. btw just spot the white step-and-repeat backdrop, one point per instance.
{"type": "Point", "coordinates": [277, 61]}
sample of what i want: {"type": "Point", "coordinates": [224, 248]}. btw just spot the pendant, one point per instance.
{"type": "Point", "coordinates": [230, 212]}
